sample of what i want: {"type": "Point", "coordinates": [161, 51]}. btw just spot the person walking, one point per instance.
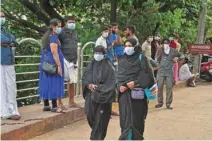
{"type": "Point", "coordinates": [133, 105]}
{"type": "Point", "coordinates": [9, 108]}
{"type": "Point", "coordinates": [165, 73]}
{"type": "Point", "coordinates": [51, 86]}
{"type": "Point", "coordinates": [98, 83]}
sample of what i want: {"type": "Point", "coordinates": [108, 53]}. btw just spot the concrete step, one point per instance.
{"type": "Point", "coordinates": [35, 122]}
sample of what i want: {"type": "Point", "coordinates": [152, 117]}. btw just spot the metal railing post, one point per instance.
{"type": "Point", "coordinates": [78, 69]}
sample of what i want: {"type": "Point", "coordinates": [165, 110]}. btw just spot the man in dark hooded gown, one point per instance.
{"type": "Point", "coordinates": [133, 112]}
{"type": "Point", "coordinates": [99, 91]}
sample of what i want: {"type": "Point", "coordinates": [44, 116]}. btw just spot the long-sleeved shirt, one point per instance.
{"type": "Point", "coordinates": [166, 61]}
{"type": "Point", "coordinates": [7, 52]}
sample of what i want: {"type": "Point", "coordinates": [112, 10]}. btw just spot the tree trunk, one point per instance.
{"type": "Point", "coordinates": [200, 38]}
{"type": "Point", "coordinates": [113, 11]}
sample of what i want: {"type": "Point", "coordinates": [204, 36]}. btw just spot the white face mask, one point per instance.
{"type": "Point", "coordinates": [150, 39]}
{"type": "Point", "coordinates": [157, 38]}
{"type": "Point", "coordinates": [171, 38]}
{"type": "Point", "coordinates": [98, 57]}
{"type": "Point", "coordinates": [105, 34]}
{"type": "Point", "coordinates": [129, 50]}
{"type": "Point", "coordinates": [166, 48]}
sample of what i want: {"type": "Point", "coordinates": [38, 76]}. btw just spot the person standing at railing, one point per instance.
{"type": "Point", "coordinates": [69, 40]}
{"type": "Point", "coordinates": [102, 40]}
{"type": "Point", "coordinates": [51, 86]}
{"type": "Point", "coordinates": [9, 108]}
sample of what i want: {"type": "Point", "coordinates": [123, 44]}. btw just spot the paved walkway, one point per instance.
{"type": "Point", "coordinates": [190, 119]}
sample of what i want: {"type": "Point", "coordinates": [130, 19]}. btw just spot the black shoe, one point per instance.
{"type": "Point", "coordinates": [158, 105]}
{"type": "Point", "coordinates": [47, 108]}
{"type": "Point", "coordinates": [169, 107]}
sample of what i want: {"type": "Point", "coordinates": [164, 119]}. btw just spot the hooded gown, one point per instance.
{"type": "Point", "coordinates": [133, 112]}
{"type": "Point", "coordinates": [98, 104]}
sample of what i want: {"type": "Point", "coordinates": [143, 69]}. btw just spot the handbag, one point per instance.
{"type": "Point", "coordinates": [47, 67]}
{"type": "Point", "coordinates": [137, 93]}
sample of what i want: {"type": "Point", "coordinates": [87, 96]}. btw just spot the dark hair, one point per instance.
{"type": "Point", "coordinates": [131, 28]}
{"type": "Point", "coordinates": [133, 41]}
{"type": "Point", "coordinates": [99, 48]}
{"type": "Point", "coordinates": [104, 28]}
{"type": "Point", "coordinates": [185, 60]}
{"type": "Point", "coordinates": [165, 39]}
{"type": "Point", "coordinates": [45, 38]}
{"type": "Point", "coordinates": [114, 24]}
{"type": "Point", "coordinates": [69, 18]}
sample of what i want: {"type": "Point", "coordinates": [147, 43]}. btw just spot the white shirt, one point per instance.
{"type": "Point", "coordinates": [184, 73]}
{"type": "Point", "coordinates": [146, 47]}
{"type": "Point", "coordinates": [101, 41]}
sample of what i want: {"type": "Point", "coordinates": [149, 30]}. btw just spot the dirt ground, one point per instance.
{"type": "Point", "coordinates": [191, 119]}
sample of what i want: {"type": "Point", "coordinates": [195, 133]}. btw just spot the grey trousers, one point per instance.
{"type": "Point", "coordinates": [168, 80]}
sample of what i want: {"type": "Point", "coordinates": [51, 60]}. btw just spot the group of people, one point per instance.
{"type": "Point", "coordinates": [120, 67]}
{"type": "Point", "coordinates": [59, 50]}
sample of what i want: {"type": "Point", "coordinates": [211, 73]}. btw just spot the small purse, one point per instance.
{"type": "Point", "coordinates": [137, 93]}
{"type": "Point", "coordinates": [48, 67]}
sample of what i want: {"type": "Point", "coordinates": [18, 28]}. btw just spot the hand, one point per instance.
{"type": "Point", "coordinates": [131, 85]}
{"type": "Point", "coordinates": [92, 87]}
{"type": "Point", "coordinates": [123, 89]}
{"type": "Point", "coordinates": [59, 70]}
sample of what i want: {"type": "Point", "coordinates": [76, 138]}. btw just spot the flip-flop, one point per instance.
{"type": "Point", "coordinates": [62, 107]}
{"type": "Point", "coordinates": [74, 106]}
{"type": "Point", "coordinates": [15, 117]}
{"type": "Point", "coordinates": [58, 110]}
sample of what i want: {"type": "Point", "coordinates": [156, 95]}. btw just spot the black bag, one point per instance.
{"type": "Point", "coordinates": [146, 78]}
{"type": "Point", "coordinates": [48, 67]}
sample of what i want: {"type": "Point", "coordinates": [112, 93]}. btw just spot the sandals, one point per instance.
{"type": "Point", "coordinates": [58, 110]}
{"type": "Point", "coordinates": [74, 106]}
{"type": "Point", "coordinates": [15, 117]}
{"type": "Point", "coordinates": [62, 107]}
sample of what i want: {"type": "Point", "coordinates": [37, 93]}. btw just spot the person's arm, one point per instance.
{"type": "Point", "coordinates": [118, 41]}
{"type": "Point", "coordinates": [177, 53]}
{"type": "Point", "coordinates": [54, 50]}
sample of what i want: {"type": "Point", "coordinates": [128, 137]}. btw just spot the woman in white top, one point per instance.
{"type": "Point", "coordinates": [185, 74]}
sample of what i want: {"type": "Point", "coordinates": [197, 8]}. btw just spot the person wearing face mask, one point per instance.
{"type": "Point", "coordinates": [165, 73]}
{"type": "Point", "coordinates": [102, 40]}
{"type": "Point", "coordinates": [51, 86]}
{"type": "Point", "coordinates": [9, 108]}
{"type": "Point", "coordinates": [69, 40]}
{"type": "Point", "coordinates": [146, 47]}
{"type": "Point", "coordinates": [133, 110]}
{"type": "Point", "coordinates": [98, 87]}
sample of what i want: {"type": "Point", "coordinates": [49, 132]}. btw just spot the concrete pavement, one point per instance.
{"type": "Point", "coordinates": [190, 119]}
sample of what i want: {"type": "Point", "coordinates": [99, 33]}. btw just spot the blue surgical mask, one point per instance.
{"type": "Point", "coordinates": [2, 21]}
{"type": "Point", "coordinates": [129, 50]}
{"type": "Point", "coordinates": [71, 26]}
{"type": "Point", "coordinates": [98, 57]}
{"type": "Point", "coordinates": [58, 30]}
